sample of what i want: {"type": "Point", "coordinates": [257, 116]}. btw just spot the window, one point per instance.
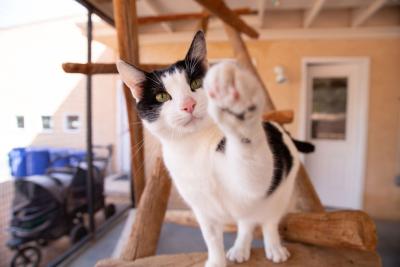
{"type": "Point", "coordinates": [47, 123]}
{"type": "Point", "coordinates": [329, 105]}
{"type": "Point", "coordinates": [72, 123]}
{"type": "Point", "coordinates": [20, 122]}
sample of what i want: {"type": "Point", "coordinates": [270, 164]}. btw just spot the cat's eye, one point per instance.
{"type": "Point", "coordinates": [196, 84]}
{"type": "Point", "coordinates": [163, 97]}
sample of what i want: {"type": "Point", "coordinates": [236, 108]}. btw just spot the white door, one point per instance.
{"type": "Point", "coordinates": [334, 124]}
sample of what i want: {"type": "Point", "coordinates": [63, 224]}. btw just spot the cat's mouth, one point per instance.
{"type": "Point", "coordinates": [192, 120]}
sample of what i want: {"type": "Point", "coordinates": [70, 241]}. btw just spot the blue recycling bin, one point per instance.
{"type": "Point", "coordinates": [37, 161]}
{"type": "Point", "coordinates": [17, 162]}
{"type": "Point", "coordinates": [59, 157]}
{"type": "Point", "coordinates": [77, 156]}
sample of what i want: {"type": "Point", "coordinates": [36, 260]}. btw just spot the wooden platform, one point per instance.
{"type": "Point", "coordinates": [302, 255]}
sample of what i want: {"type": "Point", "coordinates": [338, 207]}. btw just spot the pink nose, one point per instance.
{"type": "Point", "coordinates": [188, 105]}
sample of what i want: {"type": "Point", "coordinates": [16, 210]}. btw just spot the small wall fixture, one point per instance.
{"type": "Point", "coordinates": [280, 76]}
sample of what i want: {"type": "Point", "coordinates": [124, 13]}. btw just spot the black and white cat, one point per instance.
{"type": "Point", "coordinates": [227, 165]}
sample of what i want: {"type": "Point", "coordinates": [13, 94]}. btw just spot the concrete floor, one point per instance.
{"type": "Point", "coordinates": [180, 239]}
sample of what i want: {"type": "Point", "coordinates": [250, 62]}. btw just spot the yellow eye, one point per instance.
{"type": "Point", "coordinates": [162, 97]}
{"type": "Point", "coordinates": [195, 84]}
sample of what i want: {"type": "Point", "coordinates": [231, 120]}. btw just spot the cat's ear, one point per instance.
{"type": "Point", "coordinates": [198, 49]}
{"type": "Point", "coordinates": [132, 77]}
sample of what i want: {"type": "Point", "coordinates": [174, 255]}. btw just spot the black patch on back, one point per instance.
{"type": "Point", "coordinates": [148, 107]}
{"type": "Point", "coordinates": [221, 145]}
{"type": "Point", "coordinates": [304, 147]}
{"type": "Point", "coordinates": [283, 160]}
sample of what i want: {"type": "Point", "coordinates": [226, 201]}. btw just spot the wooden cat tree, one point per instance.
{"type": "Point", "coordinates": [314, 237]}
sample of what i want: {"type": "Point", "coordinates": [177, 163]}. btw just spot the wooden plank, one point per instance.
{"type": "Point", "coordinates": [340, 229]}
{"type": "Point", "coordinates": [279, 116]}
{"type": "Point", "coordinates": [155, 10]}
{"type": "Point", "coordinates": [204, 21]}
{"type": "Point", "coordinates": [187, 16]}
{"type": "Point", "coordinates": [312, 13]}
{"type": "Point", "coordinates": [103, 68]}
{"type": "Point", "coordinates": [364, 14]}
{"type": "Point", "coordinates": [307, 198]}
{"type": "Point", "coordinates": [128, 46]}
{"type": "Point", "coordinates": [301, 255]}
{"type": "Point", "coordinates": [146, 229]}
{"type": "Point", "coordinates": [221, 10]}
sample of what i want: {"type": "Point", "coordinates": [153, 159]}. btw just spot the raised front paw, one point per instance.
{"type": "Point", "coordinates": [233, 91]}
{"type": "Point", "coordinates": [277, 253]}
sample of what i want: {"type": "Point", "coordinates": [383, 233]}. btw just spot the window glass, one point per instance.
{"type": "Point", "coordinates": [20, 122]}
{"type": "Point", "coordinates": [47, 122]}
{"type": "Point", "coordinates": [73, 122]}
{"type": "Point", "coordinates": [329, 104]}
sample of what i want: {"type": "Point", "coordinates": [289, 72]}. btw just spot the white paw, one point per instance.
{"type": "Point", "coordinates": [233, 90]}
{"type": "Point", "coordinates": [238, 254]}
{"type": "Point", "coordinates": [215, 264]}
{"type": "Point", "coordinates": [277, 253]}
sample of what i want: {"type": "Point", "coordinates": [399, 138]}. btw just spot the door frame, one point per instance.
{"type": "Point", "coordinates": [363, 65]}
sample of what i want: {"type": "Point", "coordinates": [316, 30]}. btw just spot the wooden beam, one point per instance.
{"type": "Point", "coordinates": [204, 21]}
{"type": "Point", "coordinates": [306, 196]}
{"type": "Point", "coordinates": [362, 15]}
{"type": "Point", "coordinates": [313, 12]}
{"type": "Point", "coordinates": [345, 229]}
{"type": "Point", "coordinates": [261, 12]}
{"type": "Point", "coordinates": [221, 10]}
{"type": "Point", "coordinates": [307, 199]}
{"type": "Point", "coordinates": [104, 68]}
{"type": "Point", "coordinates": [128, 46]}
{"type": "Point", "coordinates": [279, 116]}
{"type": "Point", "coordinates": [149, 218]}
{"type": "Point", "coordinates": [187, 16]}
{"type": "Point", "coordinates": [302, 255]}
{"type": "Point", "coordinates": [155, 10]}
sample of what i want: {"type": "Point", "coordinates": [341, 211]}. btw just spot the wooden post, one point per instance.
{"type": "Point", "coordinates": [204, 21]}
{"type": "Point", "coordinates": [103, 68]}
{"type": "Point", "coordinates": [187, 16]}
{"type": "Point", "coordinates": [146, 229]}
{"type": "Point", "coordinates": [307, 197]}
{"type": "Point", "coordinates": [221, 10]}
{"type": "Point", "coordinates": [127, 31]}
{"type": "Point", "coordinates": [345, 229]}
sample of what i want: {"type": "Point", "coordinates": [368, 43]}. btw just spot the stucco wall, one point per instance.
{"type": "Point", "coordinates": [381, 197]}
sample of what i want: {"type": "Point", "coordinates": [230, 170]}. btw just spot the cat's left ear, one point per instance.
{"type": "Point", "coordinates": [133, 77]}
{"type": "Point", "coordinates": [198, 49]}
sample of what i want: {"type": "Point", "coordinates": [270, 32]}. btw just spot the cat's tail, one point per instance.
{"type": "Point", "coordinates": [304, 147]}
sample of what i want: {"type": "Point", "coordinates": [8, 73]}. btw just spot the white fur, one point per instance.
{"type": "Point", "coordinates": [229, 187]}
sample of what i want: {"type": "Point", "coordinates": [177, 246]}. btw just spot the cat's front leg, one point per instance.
{"type": "Point", "coordinates": [240, 252]}
{"type": "Point", "coordinates": [213, 236]}
{"type": "Point", "coordinates": [236, 99]}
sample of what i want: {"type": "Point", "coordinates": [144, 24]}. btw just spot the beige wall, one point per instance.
{"type": "Point", "coordinates": [33, 84]}
{"type": "Point", "coordinates": [381, 197]}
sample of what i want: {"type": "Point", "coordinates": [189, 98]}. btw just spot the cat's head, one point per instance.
{"type": "Point", "coordinates": [172, 100]}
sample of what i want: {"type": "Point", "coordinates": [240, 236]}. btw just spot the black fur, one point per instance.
{"type": "Point", "coordinates": [221, 145]}
{"type": "Point", "coordinates": [283, 160]}
{"type": "Point", "coordinates": [303, 147]}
